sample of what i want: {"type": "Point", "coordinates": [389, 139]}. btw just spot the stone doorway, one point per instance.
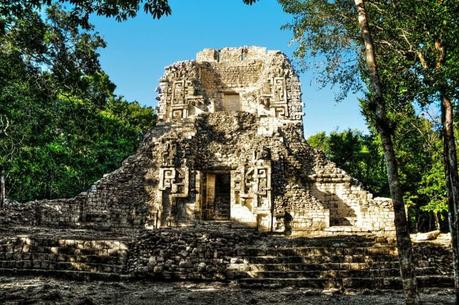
{"type": "Point", "coordinates": [218, 196]}
{"type": "Point", "coordinates": [231, 102]}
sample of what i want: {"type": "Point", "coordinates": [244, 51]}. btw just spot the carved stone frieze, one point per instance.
{"type": "Point", "coordinates": [258, 81]}
{"type": "Point", "coordinates": [252, 183]}
{"type": "Point", "coordinates": [175, 181]}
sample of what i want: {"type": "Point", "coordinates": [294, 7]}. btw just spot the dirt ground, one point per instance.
{"type": "Point", "coordinates": [43, 290]}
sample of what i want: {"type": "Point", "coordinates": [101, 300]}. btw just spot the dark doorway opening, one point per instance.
{"type": "Point", "coordinates": [222, 196]}
{"type": "Point", "coordinates": [218, 196]}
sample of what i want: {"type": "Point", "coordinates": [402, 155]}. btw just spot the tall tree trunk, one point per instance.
{"type": "Point", "coordinates": [452, 182]}
{"type": "Point", "coordinates": [2, 188]}
{"type": "Point", "coordinates": [385, 130]}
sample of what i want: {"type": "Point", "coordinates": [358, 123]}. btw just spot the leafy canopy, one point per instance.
{"type": "Point", "coordinates": [61, 124]}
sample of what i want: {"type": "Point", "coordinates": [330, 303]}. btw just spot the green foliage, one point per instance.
{"type": "Point", "coordinates": [358, 154]}
{"type": "Point", "coordinates": [320, 141]}
{"type": "Point", "coordinates": [121, 10]}
{"type": "Point", "coordinates": [433, 187]}
{"type": "Point", "coordinates": [415, 42]}
{"type": "Point", "coordinates": [326, 37]}
{"type": "Point", "coordinates": [82, 9]}
{"type": "Point", "coordinates": [61, 125]}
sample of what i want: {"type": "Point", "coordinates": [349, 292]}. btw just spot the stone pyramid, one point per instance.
{"type": "Point", "coordinates": [228, 146]}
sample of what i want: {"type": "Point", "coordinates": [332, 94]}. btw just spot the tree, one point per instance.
{"type": "Point", "coordinates": [82, 9]}
{"type": "Point", "coordinates": [433, 188]}
{"type": "Point", "coordinates": [329, 29]}
{"type": "Point", "coordinates": [358, 154]}
{"type": "Point", "coordinates": [418, 43]}
{"type": "Point", "coordinates": [62, 126]}
{"type": "Point", "coordinates": [377, 104]}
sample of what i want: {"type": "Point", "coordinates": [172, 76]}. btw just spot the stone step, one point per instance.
{"type": "Point", "coordinates": [440, 281]}
{"type": "Point", "coordinates": [314, 266]}
{"type": "Point", "coordinates": [394, 265]}
{"type": "Point", "coordinates": [390, 272]}
{"type": "Point", "coordinates": [424, 281]}
{"type": "Point", "coordinates": [297, 282]}
{"type": "Point", "coordinates": [224, 224]}
{"type": "Point", "coordinates": [339, 227]}
{"type": "Point", "coordinates": [318, 251]}
{"type": "Point", "coordinates": [334, 241]}
{"type": "Point", "coordinates": [66, 265]}
{"type": "Point", "coordinates": [91, 267]}
{"type": "Point", "coordinates": [322, 283]}
{"type": "Point", "coordinates": [67, 274]}
{"type": "Point", "coordinates": [114, 259]}
{"type": "Point", "coordinates": [270, 259]}
{"type": "Point", "coordinates": [346, 283]}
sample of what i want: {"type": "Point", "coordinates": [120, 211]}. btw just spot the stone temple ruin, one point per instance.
{"type": "Point", "coordinates": [229, 145]}
{"type": "Point", "coordinates": [236, 149]}
{"type": "Point", "coordinates": [227, 157]}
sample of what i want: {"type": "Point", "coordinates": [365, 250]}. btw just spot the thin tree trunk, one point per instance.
{"type": "Point", "coordinates": [407, 269]}
{"type": "Point", "coordinates": [452, 182]}
{"type": "Point", "coordinates": [2, 188]}
{"type": "Point", "coordinates": [450, 161]}
{"type": "Point", "coordinates": [385, 130]}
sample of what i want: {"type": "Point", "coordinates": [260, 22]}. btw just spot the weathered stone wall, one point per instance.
{"type": "Point", "coordinates": [50, 213]}
{"type": "Point", "coordinates": [349, 203]}
{"type": "Point", "coordinates": [309, 188]}
{"type": "Point", "coordinates": [118, 200]}
{"type": "Point", "coordinates": [77, 256]}
{"type": "Point", "coordinates": [305, 186]}
{"type": "Point", "coordinates": [191, 254]}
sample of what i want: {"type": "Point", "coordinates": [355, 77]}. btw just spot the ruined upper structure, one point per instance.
{"type": "Point", "coordinates": [229, 145]}
{"type": "Point", "coordinates": [251, 80]}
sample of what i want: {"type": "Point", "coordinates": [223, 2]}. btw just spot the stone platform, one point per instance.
{"type": "Point", "coordinates": [78, 254]}
{"type": "Point", "coordinates": [222, 251]}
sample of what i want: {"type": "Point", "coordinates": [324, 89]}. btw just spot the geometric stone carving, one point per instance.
{"type": "Point", "coordinates": [174, 180]}
{"type": "Point", "coordinates": [262, 185]}
{"type": "Point", "coordinates": [169, 154]}
{"type": "Point", "coordinates": [253, 185]}
{"type": "Point", "coordinates": [179, 101]}
{"type": "Point", "coordinates": [279, 99]}
{"type": "Point", "coordinates": [273, 96]}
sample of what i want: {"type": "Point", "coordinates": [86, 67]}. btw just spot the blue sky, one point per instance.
{"type": "Point", "coordinates": [140, 48]}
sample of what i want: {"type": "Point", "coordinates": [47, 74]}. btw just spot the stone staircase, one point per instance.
{"type": "Point", "coordinates": [82, 257]}
{"type": "Point", "coordinates": [346, 262]}
{"type": "Point", "coordinates": [221, 251]}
